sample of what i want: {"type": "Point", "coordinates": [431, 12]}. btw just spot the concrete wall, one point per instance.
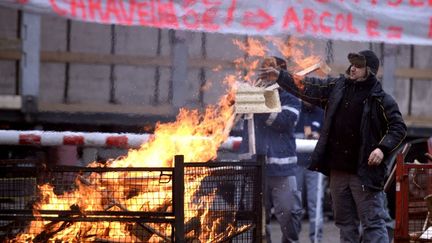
{"type": "Point", "coordinates": [138, 85]}
{"type": "Point", "coordinates": [52, 75]}
{"type": "Point", "coordinates": [422, 95]}
{"type": "Point", "coordinates": [8, 30]}
{"type": "Point", "coordinates": [150, 85]}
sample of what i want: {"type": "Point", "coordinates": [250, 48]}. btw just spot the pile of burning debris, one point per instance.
{"type": "Point", "coordinates": [190, 202]}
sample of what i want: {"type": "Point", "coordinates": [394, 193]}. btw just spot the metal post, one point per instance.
{"type": "Point", "coordinates": [411, 81]}
{"type": "Point", "coordinates": [202, 73]}
{"type": "Point", "coordinates": [179, 69]}
{"type": "Point", "coordinates": [157, 75]}
{"type": "Point", "coordinates": [112, 75]}
{"type": "Point", "coordinates": [259, 209]}
{"type": "Point", "coordinates": [178, 198]}
{"type": "Point", "coordinates": [30, 61]}
{"type": "Point", "coordinates": [251, 133]}
{"type": "Point", "coordinates": [18, 62]}
{"type": "Point", "coordinates": [318, 216]}
{"type": "Point", "coordinates": [401, 227]}
{"type": "Point", "coordinates": [67, 65]}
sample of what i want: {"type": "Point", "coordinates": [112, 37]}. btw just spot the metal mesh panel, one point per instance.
{"type": "Point", "coordinates": [129, 191]}
{"type": "Point", "coordinates": [17, 193]}
{"type": "Point", "coordinates": [221, 203]}
{"type": "Point", "coordinates": [420, 203]}
{"type": "Point", "coordinates": [89, 205]}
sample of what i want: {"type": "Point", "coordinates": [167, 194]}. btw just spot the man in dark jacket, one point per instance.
{"type": "Point", "coordinates": [362, 127]}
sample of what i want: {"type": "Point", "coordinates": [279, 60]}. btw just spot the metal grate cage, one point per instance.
{"type": "Point", "coordinates": [192, 202]}
{"type": "Point", "coordinates": [413, 200]}
{"type": "Point", "coordinates": [226, 199]}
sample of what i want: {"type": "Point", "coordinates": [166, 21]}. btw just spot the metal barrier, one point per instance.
{"type": "Point", "coordinates": [121, 140]}
{"type": "Point", "coordinates": [413, 200]}
{"type": "Point", "coordinates": [211, 202]}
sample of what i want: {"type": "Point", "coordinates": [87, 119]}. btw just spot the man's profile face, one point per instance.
{"type": "Point", "coordinates": [358, 66]}
{"type": "Point", "coordinates": [357, 73]}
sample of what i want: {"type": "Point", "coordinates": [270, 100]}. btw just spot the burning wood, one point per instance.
{"type": "Point", "coordinates": [83, 180]}
{"type": "Point", "coordinates": [208, 221]}
{"type": "Point", "coordinates": [193, 224]}
{"type": "Point", "coordinates": [192, 240]}
{"type": "Point", "coordinates": [50, 230]}
{"type": "Point", "coordinates": [99, 240]}
{"type": "Point", "coordinates": [232, 234]}
{"type": "Point", "coordinates": [145, 232]}
{"type": "Point", "coordinates": [320, 66]}
{"type": "Point", "coordinates": [115, 240]}
{"type": "Point", "coordinates": [142, 231]}
{"type": "Point", "coordinates": [112, 202]}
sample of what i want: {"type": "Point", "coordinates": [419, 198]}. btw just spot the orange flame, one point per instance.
{"type": "Point", "coordinates": [196, 136]}
{"type": "Point", "coordinates": [294, 50]}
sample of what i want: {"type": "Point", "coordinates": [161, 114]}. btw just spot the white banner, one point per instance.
{"type": "Point", "coordinates": [390, 21]}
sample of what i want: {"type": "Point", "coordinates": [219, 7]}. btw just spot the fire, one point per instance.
{"type": "Point", "coordinates": [195, 135]}
{"type": "Point", "coordinates": [294, 50]}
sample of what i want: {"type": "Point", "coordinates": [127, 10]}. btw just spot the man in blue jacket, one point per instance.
{"type": "Point", "coordinates": [362, 127]}
{"type": "Point", "coordinates": [274, 135]}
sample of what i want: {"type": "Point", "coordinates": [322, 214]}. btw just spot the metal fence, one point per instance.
{"type": "Point", "coordinates": [192, 202]}
{"type": "Point", "coordinates": [413, 200]}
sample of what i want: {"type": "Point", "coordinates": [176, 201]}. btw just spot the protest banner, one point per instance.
{"type": "Point", "coordinates": [389, 21]}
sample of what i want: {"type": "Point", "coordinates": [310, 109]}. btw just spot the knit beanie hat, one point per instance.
{"type": "Point", "coordinates": [372, 60]}
{"type": "Point", "coordinates": [281, 63]}
{"type": "Point", "coordinates": [366, 58]}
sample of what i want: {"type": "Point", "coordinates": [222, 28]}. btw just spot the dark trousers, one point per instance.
{"type": "Point", "coordinates": [354, 204]}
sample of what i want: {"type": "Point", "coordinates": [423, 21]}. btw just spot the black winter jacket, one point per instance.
{"type": "Point", "coordinates": [381, 125]}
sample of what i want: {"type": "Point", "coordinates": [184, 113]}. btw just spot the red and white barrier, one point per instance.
{"type": "Point", "coordinates": [120, 140]}
{"type": "Point", "coordinates": [44, 138]}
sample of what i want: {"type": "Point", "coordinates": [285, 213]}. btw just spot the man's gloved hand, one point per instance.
{"type": "Point", "coordinates": [270, 74]}
{"type": "Point", "coordinates": [263, 83]}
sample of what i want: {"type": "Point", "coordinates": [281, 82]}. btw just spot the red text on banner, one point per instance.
{"type": "Point", "coordinates": [206, 20]}
{"type": "Point", "coordinates": [259, 19]}
{"type": "Point", "coordinates": [324, 23]}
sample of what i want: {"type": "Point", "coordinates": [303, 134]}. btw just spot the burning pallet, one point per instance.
{"type": "Point", "coordinates": [192, 202]}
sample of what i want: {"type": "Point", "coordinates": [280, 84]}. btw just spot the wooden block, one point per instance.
{"type": "Point", "coordinates": [321, 66]}
{"type": "Point", "coordinates": [251, 99]}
